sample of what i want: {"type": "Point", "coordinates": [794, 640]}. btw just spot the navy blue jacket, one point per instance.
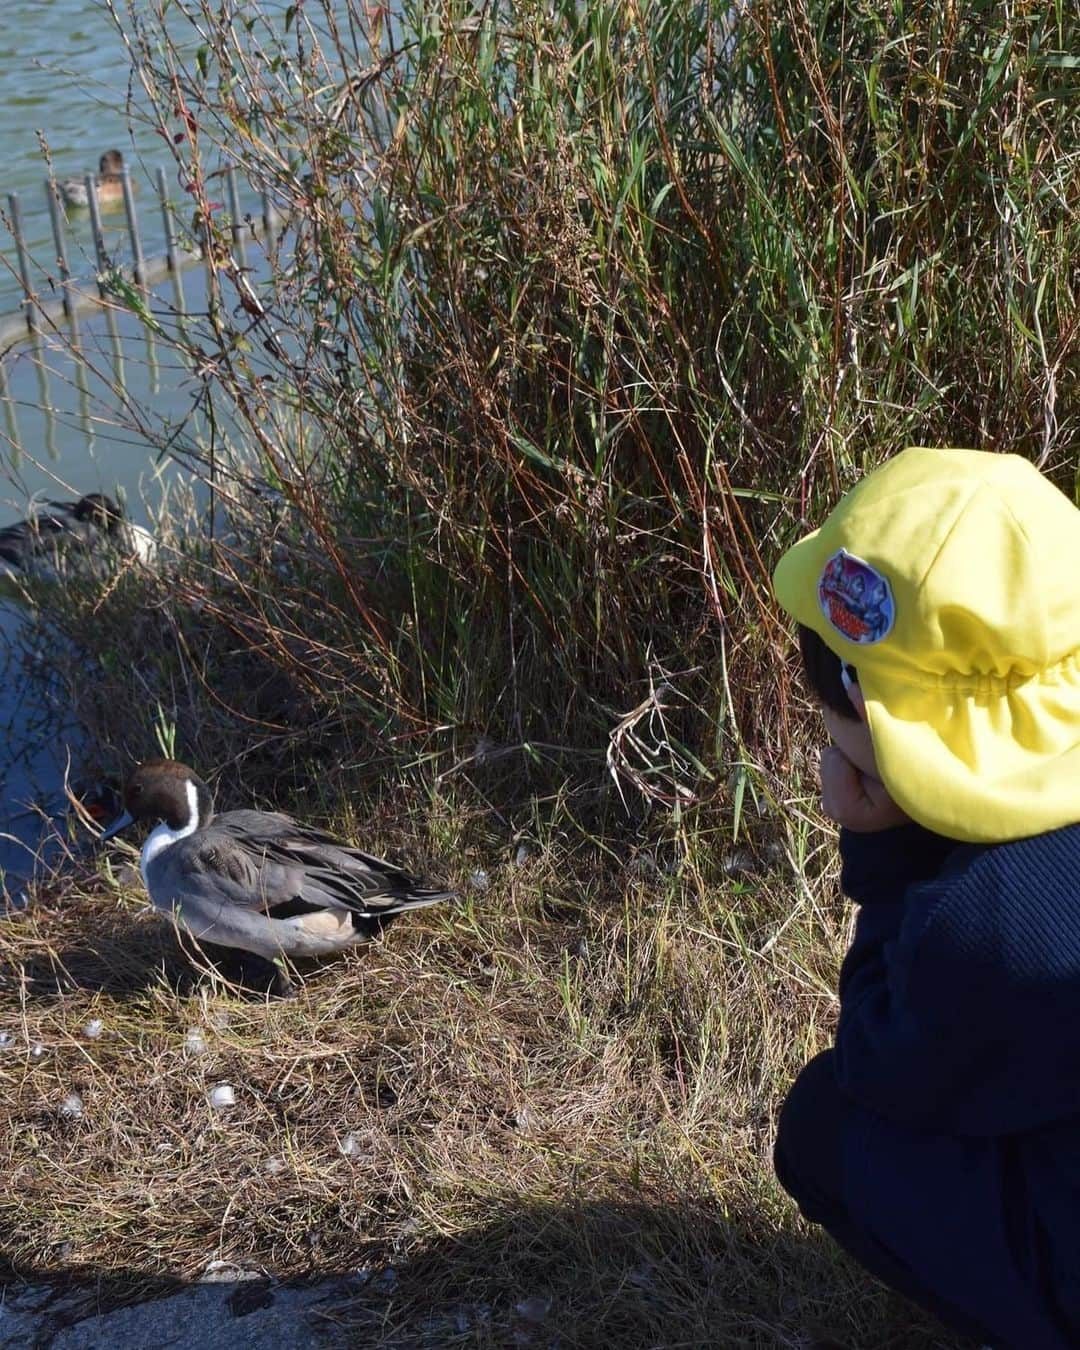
{"type": "Point", "coordinates": [960, 1016]}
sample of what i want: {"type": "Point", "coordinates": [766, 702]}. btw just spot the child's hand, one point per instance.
{"type": "Point", "coordinates": [854, 799]}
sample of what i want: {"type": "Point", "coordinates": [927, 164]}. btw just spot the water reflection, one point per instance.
{"type": "Point", "coordinates": [38, 737]}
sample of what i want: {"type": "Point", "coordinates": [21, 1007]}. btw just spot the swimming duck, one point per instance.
{"type": "Point", "coordinates": [258, 881]}
{"type": "Point", "coordinates": [87, 535]}
{"type": "Point", "coordinates": [109, 183]}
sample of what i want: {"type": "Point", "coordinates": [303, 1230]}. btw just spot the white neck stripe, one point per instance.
{"type": "Point", "coordinates": [163, 836]}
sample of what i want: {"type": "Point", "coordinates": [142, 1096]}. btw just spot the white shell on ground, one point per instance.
{"type": "Point", "coordinates": [350, 1146]}
{"type": "Point", "coordinates": [194, 1042]}
{"type": "Point", "coordinates": [71, 1108]}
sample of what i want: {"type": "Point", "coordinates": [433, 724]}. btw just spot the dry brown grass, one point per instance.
{"type": "Point", "coordinates": [549, 1108]}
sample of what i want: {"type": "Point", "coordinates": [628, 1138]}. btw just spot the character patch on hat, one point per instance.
{"type": "Point", "coordinates": [856, 599]}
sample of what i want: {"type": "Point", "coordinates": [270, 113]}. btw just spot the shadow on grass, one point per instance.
{"type": "Point", "coordinates": [603, 1275]}
{"type": "Point", "coordinates": [615, 1275]}
{"type": "Point", "coordinates": [123, 958]}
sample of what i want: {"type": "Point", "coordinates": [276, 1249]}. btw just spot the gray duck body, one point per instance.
{"type": "Point", "coordinates": [260, 881]}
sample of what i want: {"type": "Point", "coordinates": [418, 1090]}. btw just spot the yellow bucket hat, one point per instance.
{"type": "Point", "coordinates": [951, 580]}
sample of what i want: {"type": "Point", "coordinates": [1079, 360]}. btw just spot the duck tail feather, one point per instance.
{"type": "Point", "coordinates": [420, 899]}
{"type": "Point", "coordinates": [398, 902]}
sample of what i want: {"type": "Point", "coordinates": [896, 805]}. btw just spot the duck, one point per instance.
{"type": "Point", "coordinates": [258, 883]}
{"type": "Point", "coordinates": [85, 535]}
{"type": "Point", "coordinates": [108, 184]}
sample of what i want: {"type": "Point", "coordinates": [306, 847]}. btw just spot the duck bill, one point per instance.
{"type": "Point", "coordinates": [120, 823]}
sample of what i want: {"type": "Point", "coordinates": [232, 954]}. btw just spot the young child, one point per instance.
{"type": "Point", "coordinates": [938, 1141]}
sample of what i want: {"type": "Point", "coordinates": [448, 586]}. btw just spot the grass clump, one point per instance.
{"type": "Point", "coordinates": [580, 313]}
{"type": "Point", "coordinates": [517, 1122]}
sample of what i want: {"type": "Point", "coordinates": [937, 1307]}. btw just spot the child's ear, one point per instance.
{"type": "Point", "coordinates": [855, 697]}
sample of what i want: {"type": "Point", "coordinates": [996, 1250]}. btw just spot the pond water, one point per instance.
{"type": "Point", "coordinates": [64, 427]}
{"type": "Point", "coordinates": [65, 85]}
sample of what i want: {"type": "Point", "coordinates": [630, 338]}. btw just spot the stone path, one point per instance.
{"type": "Point", "coordinates": [226, 1314]}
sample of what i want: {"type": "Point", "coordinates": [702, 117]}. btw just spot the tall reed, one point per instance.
{"type": "Point", "coordinates": [583, 309]}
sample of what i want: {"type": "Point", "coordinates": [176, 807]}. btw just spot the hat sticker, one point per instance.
{"type": "Point", "coordinates": [856, 599]}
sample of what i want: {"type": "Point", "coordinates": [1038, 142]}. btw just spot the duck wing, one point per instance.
{"type": "Point", "coordinates": [265, 883]}
{"type": "Point", "coordinates": [14, 544]}
{"type": "Point", "coordinates": [74, 192]}
{"type": "Point", "coordinates": [290, 869]}
{"type": "Point", "coordinates": [33, 538]}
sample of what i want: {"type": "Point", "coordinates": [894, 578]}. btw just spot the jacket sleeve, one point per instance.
{"type": "Point", "coordinates": [877, 870]}
{"type": "Point", "coordinates": [965, 1019]}
{"type": "Point", "coordinates": [880, 866]}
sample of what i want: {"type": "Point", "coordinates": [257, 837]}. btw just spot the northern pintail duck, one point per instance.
{"type": "Point", "coordinates": [89, 535]}
{"type": "Point", "coordinates": [258, 881]}
{"type": "Point", "coordinates": [108, 183]}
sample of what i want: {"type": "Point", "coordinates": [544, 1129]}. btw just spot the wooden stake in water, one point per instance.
{"type": "Point", "coordinates": [167, 221]}
{"type": "Point", "coordinates": [52, 195]}
{"type": "Point", "coordinates": [102, 263]}
{"type": "Point", "coordinates": [213, 286]}
{"type": "Point", "coordinates": [171, 253]}
{"type": "Point", "coordinates": [24, 258]}
{"type": "Point", "coordinates": [138, 266]}
{"type": "Point", "coordinates": [268, 216]}
{"type": "Point", "coordinates": [97, 231]}
{"type": "Point", "coordinates": [234, 211]}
